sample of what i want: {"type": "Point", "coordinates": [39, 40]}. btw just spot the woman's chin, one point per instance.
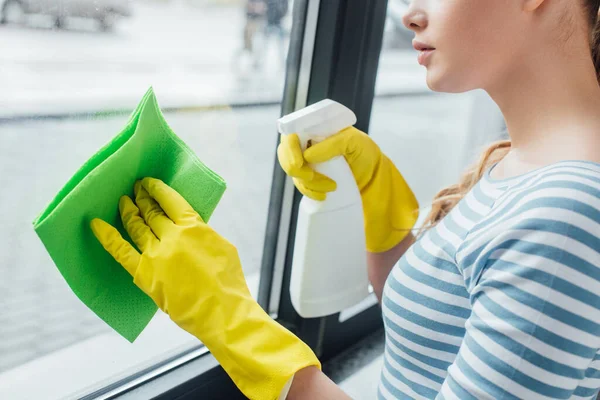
{"type": "Point", "coordinates": [439, 82]}
{"type": "Point", "coordinates": [434, 80]}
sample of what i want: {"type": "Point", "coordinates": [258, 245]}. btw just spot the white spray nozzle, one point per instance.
{"type": "Point", "coordinates": [317, 121]}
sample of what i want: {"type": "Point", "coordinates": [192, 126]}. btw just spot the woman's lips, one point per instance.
{"type": "Point", "coordinates": [424, 56]}
{"type": "Point", "coordinates": [425, 50]}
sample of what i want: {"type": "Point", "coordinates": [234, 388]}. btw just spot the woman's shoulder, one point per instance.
{"type": "Point", "coordinates": [563, 195]}
{"type": "Point", "coordinates": [566, 180]}
{"type": "Point", "coordinates": [573, 167]}
{"type": "Point", "coordinates": [566, 192]}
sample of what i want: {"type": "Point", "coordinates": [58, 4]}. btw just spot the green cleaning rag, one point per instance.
{"type": "Point", "coordinates": [145, 147]}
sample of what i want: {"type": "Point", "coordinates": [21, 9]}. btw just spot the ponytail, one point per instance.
{"type": "Point", "coordinates": [596, 46]}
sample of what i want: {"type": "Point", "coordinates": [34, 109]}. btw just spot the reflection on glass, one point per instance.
{"type": "Point", "coordinates": [71, 72]}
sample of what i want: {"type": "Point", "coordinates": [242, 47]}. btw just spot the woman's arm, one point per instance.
{"type": "Point", "coordinates": [380, 264]}
{"type": "Point", "coordinates": [311, 383]}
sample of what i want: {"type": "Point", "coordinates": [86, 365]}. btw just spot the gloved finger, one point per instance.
{"type": "Point", "coordinates": [289, 154]}
{"type": "Point", "coordinates": [320, 183]}
{"type": "Point", "coordinates": [134, 224]}
{"type": "Point", "coordinates": [315, 195]}
{"type": "Point", "coordinates": [151, 211]}
{"type": "Point", "coordinates": [333, 146]}
{"type": "Point", "coordinates": [112, 241]}
{"type": "Point", "coordinates": [174, 205]}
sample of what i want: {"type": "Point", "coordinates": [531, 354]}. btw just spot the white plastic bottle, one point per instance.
{"type": "Point", "coordinates": [329, 269]}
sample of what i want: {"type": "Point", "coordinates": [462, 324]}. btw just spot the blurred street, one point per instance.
{"type": "Point", "coordinates": [169, 46]}
{"type": "Point", "coordinates": [189, 54]}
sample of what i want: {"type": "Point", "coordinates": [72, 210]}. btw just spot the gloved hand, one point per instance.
{"type": "Point", "coordinates": [194, 275]}
{"type": "Point", "coordinates": [390, 208]}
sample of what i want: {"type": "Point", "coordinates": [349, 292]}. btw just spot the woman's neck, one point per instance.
{"type": "Point", "coordinates": [552, 112]}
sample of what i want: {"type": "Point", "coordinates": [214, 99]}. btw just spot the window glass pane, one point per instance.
{"type": "Point", "coordinates": [72, 70]}
{"type": "Point", "coordinates": [431, 137]}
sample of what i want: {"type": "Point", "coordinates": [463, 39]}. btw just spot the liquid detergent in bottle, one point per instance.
{"type": "Point", "coordinates": [329, 269]}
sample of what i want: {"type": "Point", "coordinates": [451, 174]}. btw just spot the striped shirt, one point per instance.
{"type": "Point", "coordinates": [501, 300]}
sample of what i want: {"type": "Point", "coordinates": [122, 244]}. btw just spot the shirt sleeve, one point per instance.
{"type": "Point", "coordinates": [535, 324]}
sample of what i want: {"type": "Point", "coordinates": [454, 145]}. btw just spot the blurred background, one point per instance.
{"type": "Point", "coordinates": [88, 55]}
{"type": "Point", "coordinates": [70, 73]}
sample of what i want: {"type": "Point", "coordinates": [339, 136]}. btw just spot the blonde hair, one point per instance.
{"type": "Point", "coordinates": [448, 198]}
{"type": "Point", "coordinates": [596, 42]}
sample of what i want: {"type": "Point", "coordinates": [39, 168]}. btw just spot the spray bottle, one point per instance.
{"type": "Point", "coordinates": [329, 269]}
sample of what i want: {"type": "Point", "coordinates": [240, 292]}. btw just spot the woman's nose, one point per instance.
{"type": "Point", "coordinates": [415, 19]}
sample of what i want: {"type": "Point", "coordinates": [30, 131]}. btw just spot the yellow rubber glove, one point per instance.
{"type": "Point", "coordinates": [390, 208]}
{"type": "Point", "coordinates": [194, 275]}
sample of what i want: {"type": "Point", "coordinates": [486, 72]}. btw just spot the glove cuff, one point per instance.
{"type": "Point", "coordinates": [259, 354]}
{"type": "Point", "coordinates": [390, 208]}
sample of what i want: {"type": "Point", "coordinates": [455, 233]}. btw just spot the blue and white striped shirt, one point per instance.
{"type": "Point", "coordinates": [501, 300]}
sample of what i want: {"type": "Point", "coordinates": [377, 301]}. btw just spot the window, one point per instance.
{"type": "Point", "coordinates": [72, 71]}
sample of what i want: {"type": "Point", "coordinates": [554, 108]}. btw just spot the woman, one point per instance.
{"type": "Point", "coordinates": [499, 296]}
